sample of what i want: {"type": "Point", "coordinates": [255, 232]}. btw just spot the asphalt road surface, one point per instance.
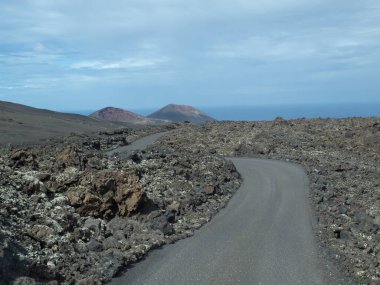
{"type": "Point", "coordinates": [263, 236]}
{"type": "Point", "coordinates": [139, 144]}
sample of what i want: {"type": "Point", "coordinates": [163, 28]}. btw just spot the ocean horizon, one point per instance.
{"type": "Point", "coordinates": [270, 112]}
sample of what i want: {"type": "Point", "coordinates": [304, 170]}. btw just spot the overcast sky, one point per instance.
{"type": "Point", "coordinates": [136, 54]}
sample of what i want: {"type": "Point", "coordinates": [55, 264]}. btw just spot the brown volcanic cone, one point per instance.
{"type": "Point", "coordinates": [121, 115]}
{"type": "Point", "coordinates": [178, 113]}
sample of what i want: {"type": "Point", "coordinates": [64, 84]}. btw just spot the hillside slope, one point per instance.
{"type": "Point", "coordinates": [23, 124]}
{"type": "Point", "coordinates": [120, 115]}
{"type": "Point", "coordinates": [179, 113]}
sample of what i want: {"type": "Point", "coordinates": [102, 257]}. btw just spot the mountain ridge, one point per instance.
{"type": "Point", "coordinates": [168, 114]}
{"type": "Point", "coordinates": [115, 114]}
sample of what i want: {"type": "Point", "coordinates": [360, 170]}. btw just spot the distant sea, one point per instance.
{"type": "Point", "coordinates": [270, 112]}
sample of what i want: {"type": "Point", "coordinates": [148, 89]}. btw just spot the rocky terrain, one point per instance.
{"type": "Point", "coordinates": [180, 113]}
{"type": "Point", "coordinates": [69, 214]}
{"type": "Point", "coordinates": [342, 160]}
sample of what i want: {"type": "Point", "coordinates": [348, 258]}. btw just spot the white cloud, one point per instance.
{"type": "Point", "coordinates": [24, 86]}
{"type": "Point", "coordinates": [266, 49]}
{"type": "Point", "coordinates": [8, 87]}
{"type": "Point", "coordinates": [39, 47]}
{"type": "Point", "coordinates": [127, 63]}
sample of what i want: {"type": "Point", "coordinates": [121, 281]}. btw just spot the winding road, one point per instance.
{"type": "Point", "coordinates": [263, 236]}
{"type": "Point", "coordinates": [139, 144]}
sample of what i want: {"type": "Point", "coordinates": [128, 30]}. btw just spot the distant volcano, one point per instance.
{"type": "Point", "coordinates": [179, 113]}
{"type": "Point", "coordinates": [121, 115]}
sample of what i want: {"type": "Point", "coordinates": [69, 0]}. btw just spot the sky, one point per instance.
{"type": "Point", "coordinates": [139, 54]}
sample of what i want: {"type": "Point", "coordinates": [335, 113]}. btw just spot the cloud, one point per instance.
{"type": "Point", "coordinates": [210, 52]}
{"type": "Point", "coordinates": [25, 86]}
{"type": "Point", "coordinates": [39, 47]}
{"type": "Point", "coordinates": [8, 87]}
{"type": "Point", "coordinates": [127, 63]}
{"type": "Point", "coordinates": [267, 49]}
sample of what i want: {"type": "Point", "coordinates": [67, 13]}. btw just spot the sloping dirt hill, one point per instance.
{"type": "Point", "coordinates": [21, 124]}
{"type": "Point", "coordinates": [180, 113]}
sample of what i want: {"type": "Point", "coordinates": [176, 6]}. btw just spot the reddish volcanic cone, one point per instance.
{"type": "Point", "coordinates": [121, 115]}
{"type": "Point", "coordinates": [179, 113]}
{"type": "Point", "coordinates": [115, 114]}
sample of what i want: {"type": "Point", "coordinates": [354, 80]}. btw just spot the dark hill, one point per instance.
{"type": "Point", "coordinates": [23, 124]}
{"type": "Point", "coordinates": [179, 113]}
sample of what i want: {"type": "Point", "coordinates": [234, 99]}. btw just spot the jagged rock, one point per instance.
{"type": "Point", "coordinates": [117, 223]}
{"type": "Point", "coordinates": [95, 225]}
{"type": "Point", "coordinates": [32, 187]}
{"type": "Point", "coordinates": [94, 245]}
{"type": "Point", "coordinates": [107, 194]}
{"type": "Point", "coordinates": [209, 189]}
{"type": "Point", "coordinates": [162, 224]}
{"type": "Point", "coordinates": [112, 242]}
{"type": "Point", "coordinates": [21, 158]}
{"type": "Point", "coordinates": [321, 184]}
{"type": "Point", "coordinates": [363, 223]}
{"type": "Point", "coordinates": [43, 176]}
{"type": "Point", "coordinates": [280, 121]}
{"type": "Point", "coordinates": [174, 206]}
{"type": "Point", "coordinates": [64, 180]}
{"type": "Point", "coordinates": [82, 234]}
{"type": "Point", "coordinates": [91, 280]}
{"type": "Point", "coordinates": [71, 156]}
{"type": "Point", "coordinates": [76, 196]}
{"type": "Point", "coordinates": [129, 194]}
{"type": "Point", "coordinates": [345, 235]}
{"type": "Point", "coordinates": [243, 150]}
{"type": "Point", "coordinates": [90, 206]}
{"type": "Point", "coordinates": [105, 181]}
{"type": "Point", "coordinates": [136, 157]}
{"type": "Point", "coordinates": [43, 234]}
{"type": "Point", "coordinates": [170, 216]}
{"type": "Point", "coordinates": [94, 163]}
